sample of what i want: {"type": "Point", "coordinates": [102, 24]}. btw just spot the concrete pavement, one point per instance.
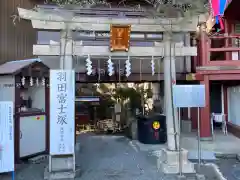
{"type": "Point", "coordinates": [114, 158]}
{"type": "Point", "coordinates": [111, 157]}
{"type": "Point", "coordinates": [101, 157]}
{"type": "Point", "coordinates": [226, 165]}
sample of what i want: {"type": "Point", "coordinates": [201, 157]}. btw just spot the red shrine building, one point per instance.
{"type": "Point", "coordinates": [218, 68]}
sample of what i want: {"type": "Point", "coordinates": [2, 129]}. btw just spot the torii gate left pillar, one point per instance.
{"type": "Point", "coordinates": [66, 43]}
{"type": "Point", "coordinates": [63, 167]}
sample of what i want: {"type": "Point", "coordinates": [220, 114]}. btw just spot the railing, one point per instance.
{"type": "Point", "coordinates": [223, 50]}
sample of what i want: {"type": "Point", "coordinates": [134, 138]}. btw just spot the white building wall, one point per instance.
{"type": "Point", "coordinates": [233, 105]}
{"type": "Point", "coordinates": [44, 37]}
{"type": "Point", "coordinates": [180, 64]}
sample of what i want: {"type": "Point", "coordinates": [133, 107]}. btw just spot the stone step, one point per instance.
{"type": "Point", "coordinates": [38, 159]}
{"type": "Point", "coordinates": [205, 155]}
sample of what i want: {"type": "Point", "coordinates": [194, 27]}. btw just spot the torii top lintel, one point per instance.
{"type": "Point", "coordinates": [56, 21]}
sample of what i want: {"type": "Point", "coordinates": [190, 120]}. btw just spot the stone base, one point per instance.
{"type": "Point", "coordinates": [170, 162]}
{"type": "Point", "coordinates": [60, 174]}
{"type": "Point", "coordinates": [181, 177]}
{"type": "Point", "coordinates": [62, 163]}
{"type": "Point", "coordinates": [200, 177]}
{"type": "Point", "coordinates": [77, 147]}
{"type": "Point", "coordinates": [238, 157]}
{"type": "Point", "coordinates": [61, 167]}
{"type": "Point", "coordinates": [186, 126]}
{"type": "Point", "coordinates": [134, 130]}
{"type": "Point", "coordinates": [206, 138]}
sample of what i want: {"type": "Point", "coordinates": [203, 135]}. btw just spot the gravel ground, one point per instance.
{"type": "Point", "coordinates": [101, 157]}
{"type": "Point", "coordinates": [26, 172]}
{"type": "Point", "coordinates": [105, 157]}
{"type": "Point", "coordinates": [112, 158]}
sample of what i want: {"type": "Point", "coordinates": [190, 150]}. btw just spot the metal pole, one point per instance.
{"type": "Point", "coordinates": [13, 175]}
{"type": "Point", "coordinates": [99, 71]}
{"type": "Point", "coordinates": [50, 163]}
{"type": "Point", "coordinates": [119, 72]}
{"type": "Point", "coordinates": [199, 143]}
{"type": "Point", "coordinates": [179, 140]}
{"type": "Point", "coordinates": [95, 117]}
{"type": "Point", "coordinates": [142, 94]}
{"type": "Point", "coordinates": [171, 129]}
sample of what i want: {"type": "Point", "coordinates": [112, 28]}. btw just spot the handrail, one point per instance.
{"type": "Point", "coordinates": [224, 49]}
{"type": "Point", "coordinates": [227, 48]}
{"type": "Point", "coordinates": [222, 54]}
{"type": "Point", "coordinates": [224, 37]}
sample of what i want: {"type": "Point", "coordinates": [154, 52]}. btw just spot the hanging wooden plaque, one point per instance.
{"type": "Point", "coordinates": [120, 37]}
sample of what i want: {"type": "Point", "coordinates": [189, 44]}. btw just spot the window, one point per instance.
{"type": "Point", "coordinates": [44, 37]}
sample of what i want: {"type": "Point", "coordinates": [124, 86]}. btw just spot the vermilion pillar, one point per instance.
{"type": "Point", "coordinates": [227, 40]}
{"type": "Point", "coordinates": [203, 51]}
{"type": "Point", "coordinates": [194, 118]}
{"type": "Point", "coordinates": [205, 124]}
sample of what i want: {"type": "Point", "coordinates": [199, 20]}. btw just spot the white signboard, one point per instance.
{"type": "Point", "coordinates": [6, 137]}
{"type": "Point", "coordinates": [188, 96]}
{"type": "Point", "coordinates": [62, 112]}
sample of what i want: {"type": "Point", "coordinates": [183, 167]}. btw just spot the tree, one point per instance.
{"type": "Point", "coordinates": [166, 8]}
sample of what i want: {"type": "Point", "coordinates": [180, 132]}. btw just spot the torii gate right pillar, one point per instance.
{"type": "Point", "coordinates": [170, 156]}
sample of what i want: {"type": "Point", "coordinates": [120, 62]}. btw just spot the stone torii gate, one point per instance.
{"type": "Point", "coordinates": [67, 48]}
